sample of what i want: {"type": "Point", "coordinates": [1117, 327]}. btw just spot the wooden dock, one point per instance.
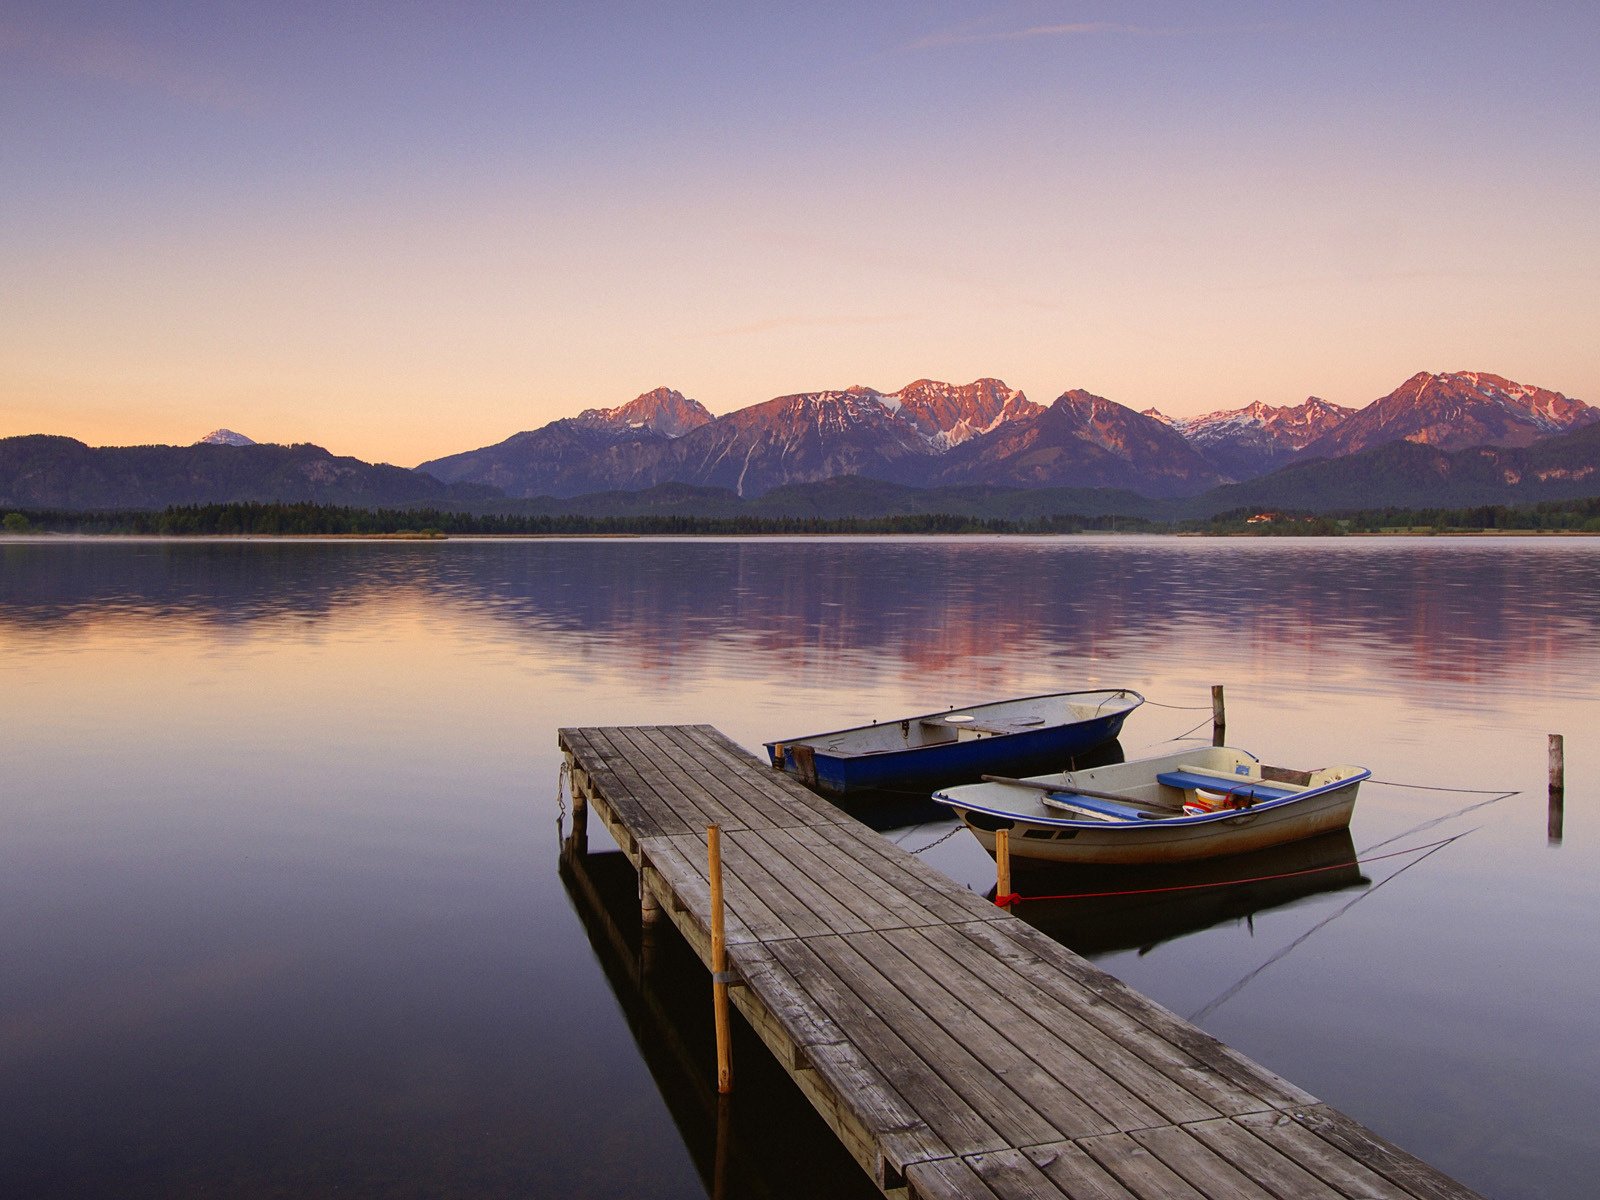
{"type": "Point", "coordinates": [955, 1050]}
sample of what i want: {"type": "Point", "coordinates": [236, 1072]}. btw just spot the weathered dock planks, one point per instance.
{"type": "Point", "coordinates": [955, 1050]}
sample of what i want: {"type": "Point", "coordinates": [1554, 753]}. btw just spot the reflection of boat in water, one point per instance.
{"type": "Point", "coordinates": [1030, 733]}
{"type": "Point", "coordinates": [1140, 907]}
{"type": "Point", "coordinates": [771, 1142]}
{"type": "Point", "coordinates": [1198, 803]}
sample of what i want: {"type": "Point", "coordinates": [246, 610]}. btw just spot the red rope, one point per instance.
{"type": "Point", "coordinates": [1011, 899]}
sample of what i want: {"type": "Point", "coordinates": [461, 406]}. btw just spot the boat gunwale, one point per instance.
{"type": "Point", "coordinates": [1184, 819]}
{"type": "Point", "coordinates": [1122, 693]}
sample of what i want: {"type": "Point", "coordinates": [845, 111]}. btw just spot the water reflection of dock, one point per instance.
{"type": "Point", "coordinates": [768, 1144]}
{"type": "Point", "coordinates": [954, 1050]}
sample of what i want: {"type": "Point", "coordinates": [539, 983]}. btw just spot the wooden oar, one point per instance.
{"type": "Point", "coordinates": [1065, 789]}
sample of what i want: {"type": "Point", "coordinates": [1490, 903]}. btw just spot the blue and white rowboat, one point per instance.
{"type": "Point", "coordinates": [1031, 733]}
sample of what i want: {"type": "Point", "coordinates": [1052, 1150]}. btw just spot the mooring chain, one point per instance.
{"type": "Point", "coordinates": [945, 837]}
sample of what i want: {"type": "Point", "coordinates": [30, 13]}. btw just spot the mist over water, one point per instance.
{"type": "Point", "coordinates": [280, 906]}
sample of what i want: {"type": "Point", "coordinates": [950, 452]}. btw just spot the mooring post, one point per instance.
{"type": "Point", "coordinates": [1002, 865]}
{"type": "Point", "coordinates": [719, 963]}
{"type": "Point", "coordinates": [649, 922]}
{"type": "Point", "coordinates": [1558, 787]}
{"type": "Point", "coordinates": [579, 781]}
{"type": "Point", "coordinates": [1219, 716]}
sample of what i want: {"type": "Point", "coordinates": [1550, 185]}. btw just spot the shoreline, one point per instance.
{"type": "Point", "coordinates": [58, 537]}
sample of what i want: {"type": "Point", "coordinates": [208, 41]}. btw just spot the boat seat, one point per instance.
{"type": "Point", "coordinates": [1250, 789]}
{"type": "Point", "coordinates": [1105, 808]}
{"type": "Point", "coordinates": [991, 727]}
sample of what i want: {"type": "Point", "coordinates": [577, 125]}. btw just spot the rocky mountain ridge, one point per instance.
{"type": "Point", "coordinates": [802, 437]}
{"type": "Point", "coordinates": [1250, 441]}
{"type": "Point", "coordinates": [1454, 411]}
{"type": "Point", "coordinates": [1082, 440]}
{"type": "Point", "coordinates": [40, 471]}
{"type": "Point", "coordinates": [663, 411]}
{"type": "Point", "coordinates": [928, 434]}
{"type": "Point", "coordinates": [933, 433]}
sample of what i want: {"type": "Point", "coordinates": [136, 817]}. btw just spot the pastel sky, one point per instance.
{"type": "Point", "coordinates": [401, 230]}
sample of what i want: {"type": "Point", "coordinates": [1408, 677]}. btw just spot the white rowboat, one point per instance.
{"type": "Point", "coordinates": [1197, 803]}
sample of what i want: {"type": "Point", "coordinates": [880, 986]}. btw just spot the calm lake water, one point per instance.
{"type": "Point", "coordinates": [282, 909]}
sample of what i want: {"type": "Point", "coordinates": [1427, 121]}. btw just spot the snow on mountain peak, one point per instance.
{"type": "Point", "coordinates": [1457, 409]}
{"type": "Point", "coordinates": [664, 411]}
{"type": "Point", "coordinates": [225, 437]}
{"type": "Point", "coordinates": [947, 414]}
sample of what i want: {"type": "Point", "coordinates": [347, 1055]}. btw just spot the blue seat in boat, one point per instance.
{"type": "Point", "coordinates": [1248, 789]}
{"type": "Point", "coordinates": [1109, 808]}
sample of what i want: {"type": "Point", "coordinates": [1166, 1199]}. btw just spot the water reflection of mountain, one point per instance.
{"type": "Point", "coordinates": [226, 582]}
{"type": "Point", "coordinates": [1456, 612]}
{"type": "Point", "coordinates": [1144, 915]}
{"type": "Point", "coordinates": [765, 1140]}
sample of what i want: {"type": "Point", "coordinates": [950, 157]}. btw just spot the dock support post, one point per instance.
{"type": "Point", "coordinates": [1219, 717]}
{"type": "Point", "coordinates": [1002, 866]}
{"type": "Point", "coordinates": [579, 842]}
{"type": "Point", "coordinates": [1558, 787]}
{"type": "Point", "coordinates": [719, 963]}
{"type": "Point", "coordinates": [649, 924]}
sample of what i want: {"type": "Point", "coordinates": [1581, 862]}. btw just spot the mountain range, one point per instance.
{"type": "Point", "coordinates": [791, 439]}
{"type": "Point", "coordinates": [978, 439]}
{"type": "Point", "coordinates": [1245, 442]}
{"type": "Point", "coordinates": [39, 471]}
{"type": "Point", "coordinates": [931, 434]}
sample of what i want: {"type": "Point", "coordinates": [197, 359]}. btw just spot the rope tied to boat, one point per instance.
{"type": "Point", "coordinates": [1179, 737]}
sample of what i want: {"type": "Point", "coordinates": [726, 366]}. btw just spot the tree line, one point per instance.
{"type": "Point", "coordinates": [305, 519]}
{"type": "Point", "coordinates": [309, 520]}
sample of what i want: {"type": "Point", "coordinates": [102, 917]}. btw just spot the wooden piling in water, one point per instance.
{"type": "Point", "coordinates": [578, 842]}
{"type": "Point", "coordinates": [1219, 716]}
{"type": "Point", "coordinates": [1558, 788]}
{"type": "Point", "coordinates": [649, 907]}
{"type": "Point", "coordinates": [719, 962]}
{"type": "Point", "coordinates": [649, 925]}
{"type": "Point", "coordinates": [1002, 866]}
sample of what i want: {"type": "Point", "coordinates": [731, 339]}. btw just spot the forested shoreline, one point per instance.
{"type": "Point", "coordinates": [311, 520]}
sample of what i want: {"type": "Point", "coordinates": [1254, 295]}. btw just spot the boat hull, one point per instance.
{"type": "Point", "coordinates": [1162, 842]}
{"type": "Point", "coordinates": [1049, 747]}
